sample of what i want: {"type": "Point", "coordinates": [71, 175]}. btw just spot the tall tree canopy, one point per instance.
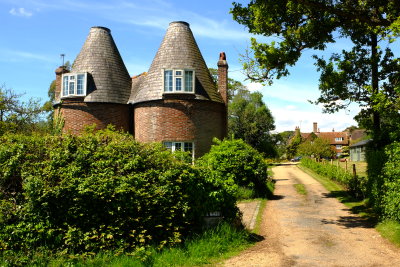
{"type": "Point", "coordinates": [251, 120]}
{"type": "Point", "coordinates": [367, 73]}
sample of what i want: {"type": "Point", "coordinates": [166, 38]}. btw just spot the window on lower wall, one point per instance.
{"type": "Point", "coordinates": [180, 146]}
{"type": "Point", "coordinates": [74, 84]}
{"type": "Point", "coordinates": [181, 81]}
{"type": "Point", "coordinates": [338, 146]}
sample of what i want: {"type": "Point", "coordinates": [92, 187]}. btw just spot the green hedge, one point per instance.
{"type": "Point", "coordinates": [356, 185]}
{"type": "Point", "coordinates": [390, 193]}
{"type": "Point", "coordinates": [99, 192]}
{"type": "Point", "coordinates": [237, 163]}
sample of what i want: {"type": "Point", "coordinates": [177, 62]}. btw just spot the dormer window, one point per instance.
{"type": "Point", "coordinates": [338, 139]}
{"type": "Point", "coordinates": [181, 81]}
{"type": "Point", "coordinates": [74, 84]}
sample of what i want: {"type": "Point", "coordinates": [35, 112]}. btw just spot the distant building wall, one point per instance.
{"type": "Point", "coordinates": [78, 114]}
{"type": "Point", "coordinates": [180, 120]}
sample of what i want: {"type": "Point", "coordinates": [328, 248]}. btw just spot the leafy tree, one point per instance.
{"type": "Point", "coordinates": [16, 115]}
{"type": "Point", "coordinates": [318, 148]}
{"type": "Point", "coordinates": [251, 120]}
{"type": "Point", "coordinates": [366, 74]}
{"type": "Point", "coordinates": [291, 149]}
{"type": "Point", "coordinates": [280, 142]}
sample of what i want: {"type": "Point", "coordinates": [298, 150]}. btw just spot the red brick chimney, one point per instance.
{"type": "Point", "coordinates": [223, 77]}
{"type": "Point", "coordinates": [315, 127]}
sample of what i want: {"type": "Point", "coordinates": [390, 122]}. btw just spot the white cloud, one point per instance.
{"type": "Point", "coordinates": [288, 117]}
{"type": "Point", "coordinates": [20, 12]}
{"type": "Point", "coordinates": [254, 87]}
{"type": "Point", "coordinates": [298, 93]}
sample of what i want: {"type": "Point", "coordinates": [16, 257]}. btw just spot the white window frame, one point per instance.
{"type": "Point", "coordinates": [182, 77]}
{"type": "Point", "coordinates": [182, 145]}
{"type": "Point", "coordinates": [338, 139]}
{"type": "Point", "coordinates": [339, 146]}
{"type": "Point", "coordinates": [75, 89]}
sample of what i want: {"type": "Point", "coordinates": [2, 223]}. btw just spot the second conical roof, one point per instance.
{"type": "Point", "coordinates": [108, 80]}
{"type": "Point", "coordinates": [178, 50]}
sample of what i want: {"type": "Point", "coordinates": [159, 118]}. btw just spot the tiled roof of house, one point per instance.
{"type": "Point", "coordinates": [334, 137]}
{"type": "Point", "coordinates": [178, 50]}
{"type": "Point", "coordinates": [108, 79]}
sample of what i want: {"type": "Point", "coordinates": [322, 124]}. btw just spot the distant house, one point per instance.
{"type": "Point", "coordinates": [175, 102]}
{"type": "Point", "coordinates": [358, 150]}
{"type": "Point", "coordinates": [337, 140]}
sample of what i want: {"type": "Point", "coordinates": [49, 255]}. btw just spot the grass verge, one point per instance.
{"type": "Point", "coordinates": [257, 226]}
{"type": "Point", "coordinates": [388, 229]}
{"type": "Point", "coordinates": [209, 247]}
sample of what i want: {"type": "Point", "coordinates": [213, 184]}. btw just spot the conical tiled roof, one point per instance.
{"type": "Point", "coordinates": [108, 79]}
{"type": "Point", "coordinates": [178, 50]}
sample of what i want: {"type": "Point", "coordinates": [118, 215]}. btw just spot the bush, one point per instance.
{"type": "Point", "coordinates": [357, 186]}
{"type": "Point", "coordinates": [390, 202]}
{"type": "Point", "coordinates": [234, 161]}
{"type": "Point", "coordinates": [101, 191]}
{"type": "Point", "coordinates": [375, 160]}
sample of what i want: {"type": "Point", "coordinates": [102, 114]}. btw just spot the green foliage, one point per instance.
{"type": "Point", "coordinates": [100, 191]}
{"type": "Point", "coordinates": [251, 120]}
{"type": "Point", "coordinates": [17, 116]}
{"type": "Point", "coordinates": [391, 183]}
{"type": "Point", "coordinates": [357, 186]}
{"type": "Point", "coordinates": [205, 248]}
{"type": "Point", "coordinates": [281, 141]}
{"type": "Point", "coordinates": [318, 148]}
{"type": "Point", "coordinates": [375, 159]}
{"type": "Point", "coordinates": [366, 74]}
{"type": "Point", "coordinates": [238, 164]}
{"type": "Point", "coordinates": [294, 143]}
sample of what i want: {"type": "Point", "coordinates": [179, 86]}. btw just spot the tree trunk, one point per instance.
{"type": "Point", "coordinates": [376, 120]}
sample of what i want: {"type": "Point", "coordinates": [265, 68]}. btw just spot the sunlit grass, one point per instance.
{"type": "Point", "coordinates": [390, 230]}
{"type": "Point", "coordinates": [300, 188]}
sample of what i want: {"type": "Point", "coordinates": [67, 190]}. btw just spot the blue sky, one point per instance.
{"type": "Point", "coordinates": [35, 32]}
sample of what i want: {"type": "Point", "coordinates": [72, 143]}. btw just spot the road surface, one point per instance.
{"type": "Point", "coordinates": [313, 230]}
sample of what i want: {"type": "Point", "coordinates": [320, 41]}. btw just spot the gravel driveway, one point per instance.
{"type": "Point", "coordinates": [313, 230]}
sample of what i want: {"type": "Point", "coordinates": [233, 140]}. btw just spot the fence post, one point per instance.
{"type": "Point", "coordinates": [354, 170]}
{"type": "Point", "coordinates": [331, 161]}
{"type": "Point", "coordinates": [346, 165]}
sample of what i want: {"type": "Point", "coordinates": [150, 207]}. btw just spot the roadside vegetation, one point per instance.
{"type": "Point", "coordinates": [82, 199]}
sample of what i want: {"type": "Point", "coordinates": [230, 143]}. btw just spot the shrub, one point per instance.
{"type": "Point", "coordinates": [356, 185]}
{"type": "Point", "coordinates": [390, 202]}
{"type": "Point", "coordinates": [375, 160]}
{"type": "Point", "coordinates": [237, 162]}
{"type": "Point", "coordinates": [100, 191]}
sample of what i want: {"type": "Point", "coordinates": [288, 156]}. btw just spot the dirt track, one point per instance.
{"type": "Point", "coordinates": [313, 230]}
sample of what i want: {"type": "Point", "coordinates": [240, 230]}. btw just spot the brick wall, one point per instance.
{"type": "Point", "coordinates": [78, 114]}
{"type": "Point", "coordinates": [180, 120]}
